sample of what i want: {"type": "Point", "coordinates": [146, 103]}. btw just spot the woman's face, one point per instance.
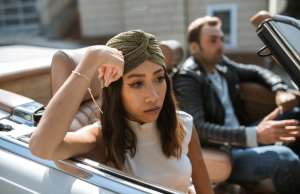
{"type": "Point", "coordinates": [143, 92]}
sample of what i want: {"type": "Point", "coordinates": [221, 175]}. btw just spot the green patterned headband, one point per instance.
{"type": "Point", "coordinates": [137, 46]}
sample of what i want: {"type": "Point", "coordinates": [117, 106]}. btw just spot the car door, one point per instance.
{"type": "Point", "coordinates": [23, 173]}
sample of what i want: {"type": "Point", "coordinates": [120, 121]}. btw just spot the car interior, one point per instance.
{"type": "Point", "coordinates": [218, 162]}
{"type": "Point", "coordinates": [64, 62]}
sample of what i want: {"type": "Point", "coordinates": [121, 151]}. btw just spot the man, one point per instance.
{"type": "Point", "coordinates": [207, 86]}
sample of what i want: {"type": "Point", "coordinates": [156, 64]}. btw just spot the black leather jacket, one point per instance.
{"type": "Point", "coordinates": [196, 95]}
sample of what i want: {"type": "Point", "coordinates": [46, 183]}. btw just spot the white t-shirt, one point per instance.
{"type": "Point", "coordinates": [150, 163]}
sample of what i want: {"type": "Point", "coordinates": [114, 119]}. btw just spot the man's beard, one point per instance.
{"type": "Point", "coordinates": [215, 60]}
{"type": "Point", "coordinates": [210, 61]}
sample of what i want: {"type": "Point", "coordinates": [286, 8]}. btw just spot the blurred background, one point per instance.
{"type": "Point", "coordinates": [75, 23]}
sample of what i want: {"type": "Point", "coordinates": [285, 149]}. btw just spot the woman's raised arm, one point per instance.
{"type": "Point", "coordinates": [51, 140]}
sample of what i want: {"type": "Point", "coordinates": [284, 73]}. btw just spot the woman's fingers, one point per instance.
{"type": "Point", "coordinates": [112, 67]}
{"type": "Point", "coordinates": [115, 74]}
{"type": "Point", "coordinates": [101, 72]}
{"type": "Point", "coordinates": [107, 77]}
{"type": "Point", "coordinates": [111, 74]}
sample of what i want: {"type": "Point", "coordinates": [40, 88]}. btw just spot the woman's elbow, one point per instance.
{"type": "Point", "coordinates": [39, 150]}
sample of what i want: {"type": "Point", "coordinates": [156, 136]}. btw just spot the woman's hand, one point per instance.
{"type": "Point", "coordinates": [109, 61]}
{"type": "Point", "coordinates": [51, 139]}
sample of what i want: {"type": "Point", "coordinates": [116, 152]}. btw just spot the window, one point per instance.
{"type": "Point", "coordinates": [228, 14]}
{"type": "Point", "coordinates": [18, 16]}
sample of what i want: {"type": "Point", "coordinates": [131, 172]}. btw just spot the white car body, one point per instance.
{"type": "Point", "coordinates": [23, 173]}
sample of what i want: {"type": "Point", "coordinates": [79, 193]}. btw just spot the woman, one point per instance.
{"type": "Point", "coordinates": [140, 131]}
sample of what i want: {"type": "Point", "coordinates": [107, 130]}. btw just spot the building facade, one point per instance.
{"type": "Point", "coordinates": [168, 19]}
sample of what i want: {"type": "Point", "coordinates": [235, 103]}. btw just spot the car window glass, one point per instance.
{"type": "Point", "coordinates": [291, 34]}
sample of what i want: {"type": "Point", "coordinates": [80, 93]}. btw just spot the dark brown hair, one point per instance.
{"type": "Point", "coordinates": [120, 139]}
{"type": "Point", "coordinates": [194, 29]}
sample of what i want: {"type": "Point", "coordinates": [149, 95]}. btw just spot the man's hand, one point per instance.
{"type": "Point", "coordinates": [270, 131]}
{"type": "Point", "coordinates": [287, 101]}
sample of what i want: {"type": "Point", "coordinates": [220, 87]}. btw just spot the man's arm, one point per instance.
{"type": "Point", "coordinates": [256, 74]}
{"type": "Point", "coordinates": [190, 97]}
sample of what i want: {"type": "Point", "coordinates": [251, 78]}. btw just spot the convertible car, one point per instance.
{"type": "Point", "coordinates": [29, 76]}
{"type": "Point", "coordinates": [27, 85]}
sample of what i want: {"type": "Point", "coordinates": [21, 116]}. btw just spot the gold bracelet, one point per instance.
{"type": "Point", "coordinates": [82, 75]}
{"type": "Point", "coordinates": [89, 89]}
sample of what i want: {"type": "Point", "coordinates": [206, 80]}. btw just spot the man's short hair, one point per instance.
{"type": "Point", "coordinates": [195, 27]}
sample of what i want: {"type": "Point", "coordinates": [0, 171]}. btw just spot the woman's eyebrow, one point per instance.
{"type": "Point", "coordinates": [143, 74]}
{"type": "Point", "coordinates": [136, 75]}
